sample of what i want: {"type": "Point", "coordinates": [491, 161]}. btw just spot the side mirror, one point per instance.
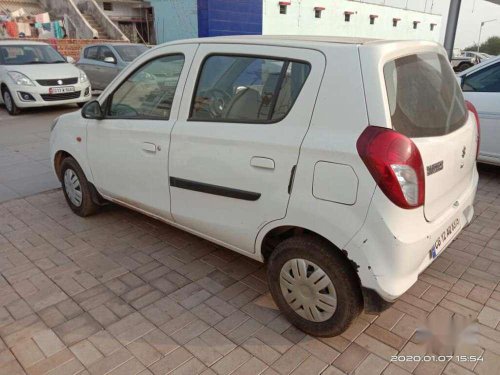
{"type": "Point", "coordinates": [70, 59]}
{"type": "Point", "coordinates": [110, 59]}
{"type": "Point", "coordinates": [92, 110]}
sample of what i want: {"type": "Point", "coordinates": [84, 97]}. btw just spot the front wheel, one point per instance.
{"type": "Point", "coordinates": [9, 102]}
{"type": "Point", "coordinates": [314, 286]}
{"type": "Point", "coordinates": [77, 190]}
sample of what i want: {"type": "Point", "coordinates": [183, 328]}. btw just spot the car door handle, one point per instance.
{"type": "Point", "coordinates": [261, 162]}
{"type": "Point", "coordinates": [149, 147]}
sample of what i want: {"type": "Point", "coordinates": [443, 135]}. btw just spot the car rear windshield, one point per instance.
{"type": "Point", "coordinates": [424, 97]}
{"type": "Point", "coordinates": [130, 52]}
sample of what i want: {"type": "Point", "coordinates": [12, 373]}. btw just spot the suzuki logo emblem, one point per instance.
{"type": "Point", "coordinates": [59, 82]}
{"type": "Point", "coordinates": [463, 152]}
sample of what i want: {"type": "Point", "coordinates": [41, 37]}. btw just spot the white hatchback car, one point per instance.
{"type": "Point", "coordinates": [347, 165]}
{"type": "Point", "coordinates": [481, 86]}
{"type": "Point", "coordinates": [34, 74]}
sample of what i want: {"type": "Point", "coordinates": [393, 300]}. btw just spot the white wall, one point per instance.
{"type": "Point", "coordinates": [300, 20]}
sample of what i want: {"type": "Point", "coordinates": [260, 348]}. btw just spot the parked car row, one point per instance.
{"type": "Point", "coordinates": [346, 165]}
{"type": "Point", "coordinates": [34, 74]}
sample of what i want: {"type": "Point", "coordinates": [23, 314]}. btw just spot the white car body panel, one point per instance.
{"type": "Point", "coordinates": [344, 93]}
{"type": "Point", "coordinates": [135, 169]}
{"type": "Point", "coordinates": [488, 107]}
{"type": "Point", "coordinates": [200, 152]}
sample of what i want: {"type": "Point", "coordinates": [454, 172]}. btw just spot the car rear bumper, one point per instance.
{"type": "Point", "coordinates": [39, 96]}
{"type": "Point", "coordinates": [394, 245]}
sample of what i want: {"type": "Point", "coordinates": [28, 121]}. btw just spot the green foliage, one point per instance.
{"type": "Point", "coordinates": [490, 46]}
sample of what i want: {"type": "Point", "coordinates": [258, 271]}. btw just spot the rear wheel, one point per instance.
{"type": "Point", "coordinates": [314, 286]}
{"type": "Point", "coordinates": [77, 190]}
{"type": "Point", "coordinates": [10, 105]}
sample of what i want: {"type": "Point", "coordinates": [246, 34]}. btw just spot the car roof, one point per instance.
{"type": "Point", "coordinates": [291, 38]}
{"type": "Point", "coordinates": [481, 65]}
{"type": "Point", "coordinates": [113, 44]}
{"type": "Point", "coordinates": [298, 41]}
{"type": "Point", "coordinates": [276, 39]}
{"type": "Point", "coordinates": [21, 42]}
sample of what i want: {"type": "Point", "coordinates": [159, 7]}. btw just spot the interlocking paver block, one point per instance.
{"type": "Point", "coordinates": [50, 363]}
{"type": "Point", "coordinates": [86, 352]}
{"type": "Point", "coordinates": [161, 342]}
{"type": "Point", "coordinates": [77, 329]}
{"type": "Point", "coordinates": [290, 360]}
{"type": "Point", "coordinates": [130, 328]}
{"type": "Point", "coordinates": [319, 349]}
{"type": "Point", "coordinates": [311, 365]}
{"type": "Point", "coordinates": [106, 343]}
{"type": "Point", "coordinates": [132, 295]}
{"type": "Point", "coordinates": [231, 361]}
{"type": "Point", "coordinates": [48, 342]}
{"type": "Point", "coordinates": [27, 353]}
{"type": "Point", "coordinates": [171, 361]}
{"type": "Point", "coordinates": [203, 351]}
{"type": "Point", "coordinates": [109, 363]}
{"type": "Point", "coordinates": [144, 352]}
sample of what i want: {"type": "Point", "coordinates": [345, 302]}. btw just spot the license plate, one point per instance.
{"type": "Point", "coordinates": [445, 238]}
{"type": "Point", "coordinates": [61, 90]}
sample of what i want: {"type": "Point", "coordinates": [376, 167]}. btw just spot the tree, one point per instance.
{"type": "Point", "coordinates": [490, 46]}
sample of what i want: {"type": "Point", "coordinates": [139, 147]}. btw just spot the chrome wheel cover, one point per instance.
{"type": "Point", "coordinates": [7, 99]}
{"type": "Point", "coordinates": [72, 187]}
{"type": "Point", "coordinates": [308, 290]}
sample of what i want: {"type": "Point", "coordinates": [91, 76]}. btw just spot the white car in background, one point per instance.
{"type": "Point", "coordinates": [34, 74]}
{"type": "Point", "coordinates": [346, 165]}
{"type": "Point", "coordinates": [481, 86]}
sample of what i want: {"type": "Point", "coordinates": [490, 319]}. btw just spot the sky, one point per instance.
{"type": "Point", "coordinates": [472, 13]}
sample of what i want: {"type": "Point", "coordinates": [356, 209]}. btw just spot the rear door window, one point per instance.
{"type": "Point", "coordinates": [424, 97]}
{"type": "Point", "coordinates": [247, 89]}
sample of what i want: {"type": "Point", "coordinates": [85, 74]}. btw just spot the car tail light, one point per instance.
{"type": "Point", "coordinates": [473, 109]}
{"type": "Point", "coordinates": [395, 163]}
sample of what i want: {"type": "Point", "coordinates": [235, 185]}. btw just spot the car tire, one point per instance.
{"type": "Point", "coordinates": [10, 104]}
{"type": "Point", "coordinates": [464, 66]}
{"type": "Point", "coordinates": [77, 190]}
{"type": "Point", "coordinates": [324, 266]}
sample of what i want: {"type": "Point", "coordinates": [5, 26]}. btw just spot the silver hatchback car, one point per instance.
{"type": "Point", "coordinates": [103, 62]}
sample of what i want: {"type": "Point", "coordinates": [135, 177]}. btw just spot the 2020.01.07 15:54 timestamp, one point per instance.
{"type": "Point", "coordinates": [436, 358]}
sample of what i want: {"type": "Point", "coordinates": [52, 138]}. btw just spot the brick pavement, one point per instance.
{"type": "Point", "coordinates": [119, 293]}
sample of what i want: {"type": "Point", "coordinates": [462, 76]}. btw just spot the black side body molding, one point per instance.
{"type": "Point", "coordinates": [214, 189]}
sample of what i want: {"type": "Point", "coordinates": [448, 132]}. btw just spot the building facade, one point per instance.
{"type": "Point", "coordinates": [133, 17]}
{"type": "Point", "coordinates": [180, 19]}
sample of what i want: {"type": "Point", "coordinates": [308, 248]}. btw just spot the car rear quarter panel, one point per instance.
{"type": "Point", "coordinates": [338, 120]}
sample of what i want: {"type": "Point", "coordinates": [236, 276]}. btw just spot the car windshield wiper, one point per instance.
{"type": "Point", "coordinates": [35, 62]}
{"type": "Point", "coordinates": [44, 62]}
